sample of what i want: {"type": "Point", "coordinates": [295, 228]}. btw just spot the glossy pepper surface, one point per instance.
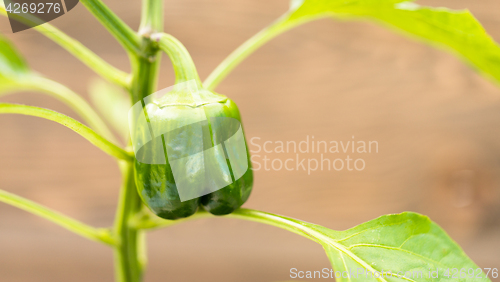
{"type": "Point", "coordinates": [192, 152]}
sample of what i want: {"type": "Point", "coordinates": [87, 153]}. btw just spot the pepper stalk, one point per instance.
{"type": "Point", "coordinates": [130, 254]}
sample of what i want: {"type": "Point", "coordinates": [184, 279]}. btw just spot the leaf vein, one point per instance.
{"type": "Point", "coordinates": [345, 265]}
{"type": "Point", "coordinates": [371, 228]}
{"type": "Point", "coordinates": [398, 249]}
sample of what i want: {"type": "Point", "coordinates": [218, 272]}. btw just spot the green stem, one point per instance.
{"type": "Point", "coordinates": [76, 48]}
{"type": "Point", "coordinates": [145, 64]}
{"type": "Point", "coordinates": [128, 263]}
{"type": "Point", "coordinates": [130, 255]}
{"type": "Point", "coordinates": [145, 71]}
{"type": "Point", "coordinates": [243, 51]}
{"type": "Point", "coordinates": [87, 133]}
{"type": "Point", "coordinates": [65, 95]}
{"type": "Point", "coordinates": [182, 62]}
{"type": "Point", "coordinates": [151, 17]}
{"type": "Point", "coordinates": [85, 55]}
{"type": "Point", "coordinates": [95, 234]}
{"type": "Point", "coordinates": [148, 221]}
{"type": "Point", "coordinates": [273, 220]}
{"type": "Point", "coordinates": [122, 32]}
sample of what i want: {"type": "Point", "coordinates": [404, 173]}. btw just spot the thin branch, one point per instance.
{"type": "Point", "coordinates": [243, 51]}
{"type": "Point", "coordinates": [273, 220]}
{"type": "Point", "coordinates": [151, 17]}
{"type": "Point", "coordinates": [95, 234]}
{"type": "Point", "coordinates": [130, 257]}
{"type": "Point", "coordinates": [63, 94]}
{"type": "Point", "coordinates": [121, 31]}
{"type": "Point", "coordinates": [78, 50]}
{"type": "Point", "coordinates": [147, 220]}
{"type": "Point", "coordinates": [87, 133]}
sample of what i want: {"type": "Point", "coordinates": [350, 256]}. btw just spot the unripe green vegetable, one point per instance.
{"type": "Point", "coordinates": [192, 151]}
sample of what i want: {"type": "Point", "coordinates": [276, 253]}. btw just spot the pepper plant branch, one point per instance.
{"type": "Point", "coordinates": [146, 62]}
{"type": "Point", "coordinates": [87, 133]}
{"type": "Point", "coordinates": [101, 235]}
{"type": "Point", "coordinates": [63, 94]}
{"type": "Point", "coordinates": [78, 50]}
{"type": "Point", "coordinates": [151, 17]}
{"type": "Point", "coordinates": [146, 220]}
{"type": "Point", "coordinates": [128, 264]}
{"type": "Point", "coordinates": [273, 220]}
{"type": "Point", "coordinates": [121, 31]}
{"type": "Point", "coordinates": [241, 53]}
{"type": "Point", "coordinates": [130, 255]}
{"type": "Point", "coordinates": [248, 47]}
{"type": "Point", "coordinates": [85, 55]}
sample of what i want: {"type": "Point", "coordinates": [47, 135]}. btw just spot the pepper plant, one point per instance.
{"type": "Point", "coordinates": [395, 243]}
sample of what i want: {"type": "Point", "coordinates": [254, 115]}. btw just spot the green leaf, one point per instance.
{"type": "Point", "coordinates": [113, 103]}
{"type": "Point", "coordinates": [12, 64]}
{"type": "Point", "coordinates": [456, 31]}
{"type": "Point", "coordinates": [406, 244]}
{"type": "Point", "coordinates": [409, 244]}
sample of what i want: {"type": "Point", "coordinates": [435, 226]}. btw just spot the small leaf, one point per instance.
{"type": "Point", "coordinates": [458, 31]}
{"type": "Point", "coordinates": [398, 247]}
{"type": "Point", "coordinates": [12, 64]}
{"type": "Point", "coordinates": [113, 103]}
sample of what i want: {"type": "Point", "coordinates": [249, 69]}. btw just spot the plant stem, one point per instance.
{"type": "Point", "coordinates": [148, 221]}
{"type": "Point", "coordinates": [128, 265]}
{"type": "Point", "coordinates": [76, 48]}
{"type": "Point", "coordinates": [145, 70]}
{"type": "Point", "coordinates": [85, 55]}
{"type": "Point", "coordinates": [87, 133]}
{"type": "Point", "coordinates": [245, 49]}
{"type": "Point", "coordinates": [182, 62]}
{"type": "Point", "coordinates": [130, 255]}
{"type": "Point", "coordinates": [273, 220]}
{"type": "Point", "coordinates": [65, 95]}
{"type": "Point", "coordinates": [145, 63]}
{"type": "Point", "coordinates": [122, 32]}
{"type": "Point", "coordinates": [95, 234]}
{"type": "Point", "coordinates": [238, 55]}
{"type": "Point", "coordinates": [151, 17]}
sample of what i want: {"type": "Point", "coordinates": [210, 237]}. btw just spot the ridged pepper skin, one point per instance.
{"type": "Point", "coordinates": [155, 182]}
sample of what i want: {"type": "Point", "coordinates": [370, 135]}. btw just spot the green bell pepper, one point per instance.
{"type": "Point", "coordinates": [197, 155]}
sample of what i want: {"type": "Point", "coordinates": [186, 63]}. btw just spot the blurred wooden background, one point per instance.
{"type": "Point", "coordinates": [436, 122]}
